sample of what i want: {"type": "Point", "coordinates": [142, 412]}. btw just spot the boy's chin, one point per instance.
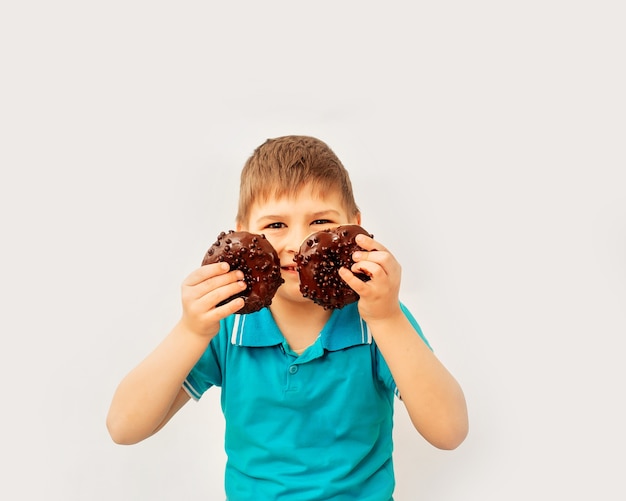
{"type": "Point", "coordinates": [291, 292]}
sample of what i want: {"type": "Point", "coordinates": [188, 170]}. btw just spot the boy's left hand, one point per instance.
{"type": "Point", "coordinates": [379, 296]}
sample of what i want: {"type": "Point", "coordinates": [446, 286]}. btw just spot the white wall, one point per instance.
{"type": "Point", "coordinates": [486, 145]}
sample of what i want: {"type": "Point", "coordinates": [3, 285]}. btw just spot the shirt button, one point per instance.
{"type": "Point", "coordinates": [293, 369]}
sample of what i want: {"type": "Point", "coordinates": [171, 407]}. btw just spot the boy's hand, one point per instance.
{"type": "Point", "coordinates": [379, 296]}
{"type": "Point", "coordinates": [203, 290]}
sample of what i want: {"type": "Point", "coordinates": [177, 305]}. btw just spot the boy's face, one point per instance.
{"type": "Point", "coordinates": [287, 221]}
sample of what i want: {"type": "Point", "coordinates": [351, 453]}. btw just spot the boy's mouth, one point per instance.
{"type": "Point", "coordinates": [289, 268]}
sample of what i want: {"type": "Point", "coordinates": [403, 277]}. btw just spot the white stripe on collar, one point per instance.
{"type": "Point", "coordinates": [238, 329]}
{"type": "Point", "coordinates": [366, 335]}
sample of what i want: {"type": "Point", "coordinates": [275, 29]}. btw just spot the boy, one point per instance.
{"type": "Point", "coordinates": [307, 393]}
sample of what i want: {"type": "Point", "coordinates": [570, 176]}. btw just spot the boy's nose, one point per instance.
{"type": "Point", "coordinates": [296, 237]}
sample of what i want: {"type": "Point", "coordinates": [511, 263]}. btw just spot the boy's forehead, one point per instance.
{"type": "Point", "coordinates": [306, 196]}
{"type": "Point", "coordinates": [302, 202]}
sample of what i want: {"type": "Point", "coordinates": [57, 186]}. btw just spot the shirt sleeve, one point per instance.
{"type": "Point", "coordinates": [382, 369]}
{"type": "Point", "coordinates": [208, 370]}
{"type": "Point", "coordinates": [415, 325]}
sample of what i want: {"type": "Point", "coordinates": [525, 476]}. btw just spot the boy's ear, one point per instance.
{"type": "Point", "coordinates": [357, 218]}
{"type": "Point", "coordinates": [238, 226]}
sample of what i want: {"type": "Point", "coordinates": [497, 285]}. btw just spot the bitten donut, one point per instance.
{"type": "Point", "coordinates": [256, 258]}
{"type": "Point", "coordinates": [318, 261]}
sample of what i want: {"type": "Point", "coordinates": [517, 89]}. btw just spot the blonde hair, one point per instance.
{"type": "Point", "coordinates": [284, 165]}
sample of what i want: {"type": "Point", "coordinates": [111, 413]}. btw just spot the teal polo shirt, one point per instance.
{"type": "Point", "coordinates": [312, 427]}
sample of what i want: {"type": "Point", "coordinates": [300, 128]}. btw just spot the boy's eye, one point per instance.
{"type": "Point", "coordinates": [321, 221]}
{"type": "Point", "coordinates": [275, 226]}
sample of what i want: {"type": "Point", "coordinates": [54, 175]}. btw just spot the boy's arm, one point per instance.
{"type": "Point", "coordinates": [152, 392]}
{"type": "Point", "coordinates": [432, 396]}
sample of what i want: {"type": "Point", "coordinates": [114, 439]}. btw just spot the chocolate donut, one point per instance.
{"type": "Point", "coordinates": [318, 261]}
{"type": "Point", "coordinates": [256, 258]}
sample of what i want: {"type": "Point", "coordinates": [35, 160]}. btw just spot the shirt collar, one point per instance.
{"type": "Point", "coordinates": [344, 328]}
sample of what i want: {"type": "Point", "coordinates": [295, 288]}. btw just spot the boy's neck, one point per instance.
{"type": "Point", "coordinates": [299, 323]}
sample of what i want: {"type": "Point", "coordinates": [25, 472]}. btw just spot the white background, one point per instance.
{"type": "Point", "coordinates": [486, 144]}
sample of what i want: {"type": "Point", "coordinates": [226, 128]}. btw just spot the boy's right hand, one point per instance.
{"type": "Point", "coordinates": [203, 290]}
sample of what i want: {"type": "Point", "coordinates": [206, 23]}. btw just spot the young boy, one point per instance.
{"type": "Point", "coordinates": [307, 393]}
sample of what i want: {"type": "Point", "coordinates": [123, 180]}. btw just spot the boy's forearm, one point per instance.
{"type": "Point", "coordinates": [144, 397]}
{"type": "Point", "coordinates": [432, 396]}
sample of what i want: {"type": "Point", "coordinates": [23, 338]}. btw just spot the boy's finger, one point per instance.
{"type": "Point", "coordinates": [206, 271]}
{"type": "Point", "coordinates": [378, 257]}
{"type": "Point", "coordinates": [368, 243]}
{"type": "Point", "coordinates": [355, 283]}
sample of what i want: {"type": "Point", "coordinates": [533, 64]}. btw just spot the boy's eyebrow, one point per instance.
{"type": "Point", "coordinates": [314, 215]}
{"type": "Point", "coordinates": [325, 213]}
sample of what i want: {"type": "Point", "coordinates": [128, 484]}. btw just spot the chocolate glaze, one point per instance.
{"type": "Point", "coordinates": [256, 258]}
{"type": "Point", "coordinates": [318, 261]}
